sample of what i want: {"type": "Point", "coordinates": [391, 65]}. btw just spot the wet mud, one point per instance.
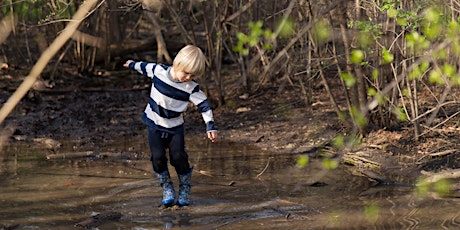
{"type": "Point", "coordinates": [78, 150]}
{"type": "Point", "coordinates": [234, 186]}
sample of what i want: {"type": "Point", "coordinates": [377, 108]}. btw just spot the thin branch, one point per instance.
{"type": "Point", "coordinates": [239, 12]}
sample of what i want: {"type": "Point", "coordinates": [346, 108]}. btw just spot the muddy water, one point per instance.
{"type": "Point", "coordinates": [234, 187]}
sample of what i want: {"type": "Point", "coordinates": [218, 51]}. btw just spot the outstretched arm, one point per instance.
{"type": "Point", "coordinates": [127, 63]}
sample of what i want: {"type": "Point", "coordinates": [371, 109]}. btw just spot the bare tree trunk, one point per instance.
{"type": "Point", "coordinates": [152, 10]}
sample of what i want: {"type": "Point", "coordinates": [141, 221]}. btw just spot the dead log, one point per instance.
{"type": "Point", "coordinates": [446, 174]}
{"type": "Point", "coordinates": [99, 219]}
{"type": "Point", "coordinates": [358, 159]}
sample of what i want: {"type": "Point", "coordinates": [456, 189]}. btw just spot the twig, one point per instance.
{"type": "Point", "coordinates": [266, 166]}
{"type": "Point", "coordinates": [240, 11]}
{"type": "Point", "coordinates": [443, 153]}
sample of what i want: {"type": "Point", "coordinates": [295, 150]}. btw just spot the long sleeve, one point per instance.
{"type": "Point", "coordinates": [145, 68]}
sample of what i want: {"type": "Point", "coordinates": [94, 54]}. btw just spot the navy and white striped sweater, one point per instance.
{"type": "Point", "coordinates": [169, 99]}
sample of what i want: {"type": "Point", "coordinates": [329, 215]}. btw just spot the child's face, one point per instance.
{"type": "Point", "coordinates": [183, 76]}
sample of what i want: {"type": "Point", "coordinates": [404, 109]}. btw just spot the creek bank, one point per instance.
{"type": "Point", "coordinates": [96, 111]}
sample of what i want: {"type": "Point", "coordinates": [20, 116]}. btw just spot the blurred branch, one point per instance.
{"type": "Point", "coordinates": [6, 26]}
{"type": "Point", "coordinates": [45, 58]}
{"type": "Point", "coordinates": [87, 39]}
{"type": "Point", "coordinates": [240, 11]}
{"type": "Point", "coordinates": [299, 34]}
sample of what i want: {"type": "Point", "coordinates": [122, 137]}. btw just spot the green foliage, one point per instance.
{"type": "Point", "coordinates": [286, 27]}
{"type": "Point", "coordinates": [435, 76]}
{"type": "Point", "coordinates": [400, 114]}
{"type": "Point", "coordinates": [255, 36]}
{"type": "Point", "coordinates": [302, 161]}
{"type": "Point", "coordinates": [442, 187]}
{"type": "Point", "coordinates": [371, 211]}
{"type": "Point", "coordinates": [40, 11]}
{"type": "Point", "coordinates": [375, 74]}
{"type": "Point", "coordinates": [387, 56]}
{"type": "Point", "coordinates": [358, 117]}
{"type": "Point", "coordinates": [371, 91]}
{"type": "Point", "coordinates": [343, 141]}
{"type": "Point", "coordinates": [418, 71]}
{"type": "Point", "coordinates": [453, 31]}
{"type": "Point", "coordinates": [406, 19]}
{"type": "Point", "coordinates": [339, 141]}
{"type": "Point", "coordinates": [432, 26]}
{"type": "Point", "coordinates": [330, 163]}
{"type": "Point", "coordinates": [356, 56]}
{"type": "Point", "coordinates": [368, 32]}
{"type": "Point", "coordinates": [348, 79]}
{"type": "Point", "coordinates": [417, 42]}
{"type": "Point", "coordinates": [321, 32]}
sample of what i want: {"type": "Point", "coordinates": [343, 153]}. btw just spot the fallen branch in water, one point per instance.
{"type": "Point", "coordinates": [435, 177]}
{"type": "Point", "coordinates": [90, 154]}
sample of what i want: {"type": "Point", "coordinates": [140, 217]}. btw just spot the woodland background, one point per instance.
{"type": "Point", "coordinates": [385, 64]}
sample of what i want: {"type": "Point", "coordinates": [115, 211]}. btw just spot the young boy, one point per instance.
{"type": "Point", "coordinates": [172, 89]}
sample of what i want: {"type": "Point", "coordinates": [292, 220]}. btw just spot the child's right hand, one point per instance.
{"type": "Point", "coordinates": [127, 63]}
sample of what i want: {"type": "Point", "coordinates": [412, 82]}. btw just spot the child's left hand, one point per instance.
{"type": "Point", "coordinates": [212, 135]}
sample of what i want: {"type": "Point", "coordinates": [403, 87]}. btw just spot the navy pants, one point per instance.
{"type": "Point", "coordinates": [159, 142]}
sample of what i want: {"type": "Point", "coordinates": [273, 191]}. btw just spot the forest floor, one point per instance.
{"type": "Point", "coordinates": [98, 110]}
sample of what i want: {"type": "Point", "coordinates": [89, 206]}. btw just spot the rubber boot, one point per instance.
{"type": "Point", "coordinates": [168, 188]}
{"type": "Point", "coordinates": [184, 188]}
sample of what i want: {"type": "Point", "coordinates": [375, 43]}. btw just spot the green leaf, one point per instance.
{"type": "Point", "coordinates": [364, 39]}
{"type": "Point", "coordinates": [392, 13]}
{"type": "Point", "coordinates": [433, 31]}
{"type": "Point", "coordinates": [400, 114]}
{"type": "Point", "coordinates": [449, 70]}
{"type": "Point", "coordinates": [302, 161]}
{"type": "Point", "coordinates": [424, 66]}
{"type": "Point", "coordinates": [431, 15]}
{"type": "Point", "coordinates": [435, 76]}
{"type": "Point", "coordinates": [371, 211]}
{"type": "Point", "coordinates": [442, 187]}
{"type": "Point", "coordinates": [375, 74]}
{"type": "Point", "coordinates": [356, 56]}
{"type": "Point", "coordinates": [358, 117]}
{"type": "Point", "coordinates": [330, 164]}
{"type": "Point", "coordinates": [339, 141]}
{"type": "Point", "coordinates": [415, 73]}
{"type": "Point", "coordinates": [286, 27]}
{"type": "Point", "coordinates": [321, 32]}
{"type": "Point", "coordinates": [387, 56]}
{"type": "Point", "coordinates": [371, 91]}
{"type": "Point", "coordinates": [348, 79]}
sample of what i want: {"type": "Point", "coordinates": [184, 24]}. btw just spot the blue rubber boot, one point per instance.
{"type": "Point", "coordinates": [184, 188]}
{"type": "Point", "coordinates": [168, 188]}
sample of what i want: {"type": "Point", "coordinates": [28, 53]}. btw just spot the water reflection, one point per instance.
{"type": "Point", "coordinates": [234, 187]}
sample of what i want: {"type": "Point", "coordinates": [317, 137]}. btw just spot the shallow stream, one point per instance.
{"type": "Point", "coordinates": [233, 187]}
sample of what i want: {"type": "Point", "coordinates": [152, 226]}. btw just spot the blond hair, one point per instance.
{"type": "Point", "coordinates": [190, 59]}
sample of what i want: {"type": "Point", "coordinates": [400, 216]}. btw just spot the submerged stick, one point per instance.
{"type": "Point", "coordinates": [266, 166]}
